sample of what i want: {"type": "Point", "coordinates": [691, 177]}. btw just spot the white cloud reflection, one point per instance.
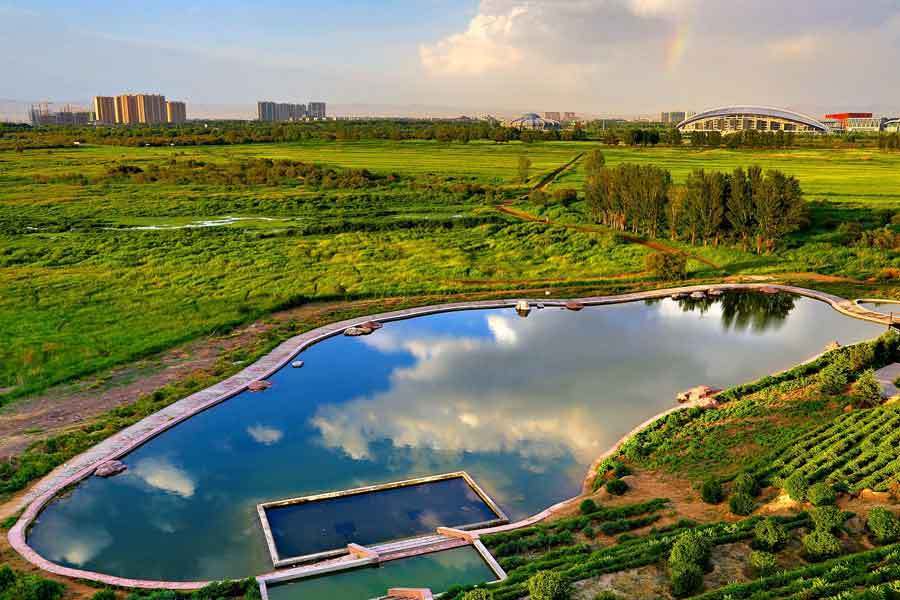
{"type": "Point", "coordinates": [266, 436]}
{"type": "Point", "coordinates": [163, 475]}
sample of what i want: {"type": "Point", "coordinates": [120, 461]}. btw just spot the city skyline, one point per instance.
{"type": "Point", "coordinates": [493, 55]}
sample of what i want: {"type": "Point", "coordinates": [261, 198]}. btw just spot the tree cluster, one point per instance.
{"type": "Point", "coordinates": [749, 207]}
{"type": "Point", "coordinates": [749, 138]}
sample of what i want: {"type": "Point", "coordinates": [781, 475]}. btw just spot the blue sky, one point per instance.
{"type": "Point", "coordinates": [595, 56]}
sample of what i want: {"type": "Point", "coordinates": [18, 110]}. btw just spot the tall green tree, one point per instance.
{"type": "Point", "coordinates": [524, 168]}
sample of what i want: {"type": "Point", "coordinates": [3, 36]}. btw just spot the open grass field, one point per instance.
{"type": "Point", "coordinates": [96, 270]}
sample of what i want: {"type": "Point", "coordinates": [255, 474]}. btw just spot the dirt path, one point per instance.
{"type": "Point", "coordinates": [653, 244]}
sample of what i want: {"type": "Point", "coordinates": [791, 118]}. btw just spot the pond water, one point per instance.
{"type": "Point", "coordinates": [883, 307]}
{"type": "Point", "coordinates": [378, 516]}
{"type": "Point", "coordinates": [523, 405]}
{"type": "Point", "coordinates": [438, 571]}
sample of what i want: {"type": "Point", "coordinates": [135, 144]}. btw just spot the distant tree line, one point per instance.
{"type": "Point", "coordinates": [749, 138]}
{"type": "Point", "coordinates": [247, 132]}
{"type": "Point", "coordinates": [752, 208]}
{"type": "Point", "coordinates": [889, 141]}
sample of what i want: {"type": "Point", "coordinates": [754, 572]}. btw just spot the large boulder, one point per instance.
{"type": "Point", "coordinates": [259, 386]}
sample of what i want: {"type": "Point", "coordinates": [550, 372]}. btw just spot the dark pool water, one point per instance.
{"type": "Point", "coordinates": [438, 571]}
{"type": "Point", "coordinates": [522, 405]}
{"type": "Point", "coordinates": [379, 516]}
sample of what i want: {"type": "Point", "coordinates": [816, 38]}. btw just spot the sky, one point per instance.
{"type": "Point", "coordinates": [501, 56]}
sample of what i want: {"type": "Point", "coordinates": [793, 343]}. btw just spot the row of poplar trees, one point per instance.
{"type": "Point", "coordinates": [749, 207]}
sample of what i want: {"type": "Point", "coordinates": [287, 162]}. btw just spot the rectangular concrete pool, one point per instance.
{"type": "Point", "coordinates": [316, 527]}
{"type": "Point", "coordinates": [437, 571]}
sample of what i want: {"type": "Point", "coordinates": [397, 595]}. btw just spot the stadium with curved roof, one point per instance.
{"type": "Point", "coordinates": [533, 121]}
{"type": "Point", "coordinates": [733, 119]}
{"type": "Point", "coordinates": [892, 126]}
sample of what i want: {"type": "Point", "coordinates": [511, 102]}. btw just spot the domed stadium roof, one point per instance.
{"type": "Point", "coordinates": [533, 121]}
{"type": "Point", "coordinates": [763, 111]}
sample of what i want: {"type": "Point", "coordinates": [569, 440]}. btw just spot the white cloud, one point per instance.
{"type": "Point", "coordinates": [163, 475]}
{"type": "Point", "coordinates": [485, 46]}
{"type": "Point", "coordinates": [266, 436]}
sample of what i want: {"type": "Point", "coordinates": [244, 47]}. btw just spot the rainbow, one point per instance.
{"type": "Point", "coordinates": [675, 46]}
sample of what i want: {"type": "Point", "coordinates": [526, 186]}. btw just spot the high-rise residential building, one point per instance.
{"type": "Point", "coordinates": [316, 110]}
{"type": "Point", "coordinates": [141, 108]}
{"type": "Point", "coordinates": [569, 116]}
{"type": "Point", "coordinates": [151, 108]}
{"type": "Point", "coordinates": [280, 111]}
{"type": "Point", "coordinates": [126, 109]}
{"type": "Point", "coordinates": [672, 118]}
{"type": "Point", "coordinates": [552, 116]}
{"type": "Point", "coordinates": [176, 112]}
{"type": "Point", "coordinates": [105, 110]}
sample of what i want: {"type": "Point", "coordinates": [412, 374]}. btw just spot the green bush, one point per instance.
{"type": "Point", "coordinates": [821, 494]}
{"type": "Point", "coordinates": [667, 265]}
{"type": "Point", "coordinates": [607, 595]}
{"type": "Point", "coordinates": [690, 547]}
{"type": "Point", "coordinates": [867, 393]}
{"type": "Point", "coordinates": [884, 525]}
{"type": "Point", "coordinates": [480, 594]}
{"type": "Point", "coordinates": [745, 484]}
{"type": "Point", "coordinates": [711, 491]}
{"type": "Point", "coordinates": [104, 595]}
{"type": "Point", "coordinates": [763, 563]}
{"type": "Point", "coordinates": [616, 487]}
{"type": "Point", "coordinates": [587, 506]}
{"type": "Point", "coordinates": [687, 579]}
{"type": "Point", "coordinates": [834, 378]}
{"type": "Point", "coordinates": [548, 585]}
{"type": "Point", "coordinates": [741, 504]}
{"type": "Point", "coordinates": [31, 586]}
{"type": "Point", "coordinates": [7, 578]}
{"type": "Point", "coordinates": [796, 486]}
{"type": "Point", "coordinates": [861, 356]}
{"type": "Point", "coordinates": [769, 534]}
{"type": "Point", "coordinates": [828, 518]}
{"type": "Point", "coordinates": [821, 544]}
{"type": "Point", "coordinates": [589, 532]}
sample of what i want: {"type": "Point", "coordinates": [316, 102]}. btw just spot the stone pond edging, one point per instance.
{"type": "Point", "coordinates": [134, 436]}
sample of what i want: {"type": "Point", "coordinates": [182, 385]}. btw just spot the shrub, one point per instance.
{"type": "Point", "coordinates": [589, 532]}
{"type": "Point", "coordinates": [587, 506]}
{"type": "Point", "coordinates": [691, 547]}
{"type": "Point", "coordinates": [479, 594]}
{"type": "Point", "coordinates": [7, 578]}
{"type": "Point", "coordinates": [769, 534]}
{"type": "Point", "coordinates": [616, 487]}
{"type": "Point", "coordinates": [821, 544]}
{"type": "Point", "coordinates": [686, 580]}
{"type": "Point", "coordinates": [34, 587]}
{"type": "Point", "coordinates": [548, 585]}
{"type": "Point", "coordinates": [607, 595]}
{"type": "Point", "coordinates": [741, 504]}
{"type": "Point", "coordinates": [867, 393]}
{"type": "Point", "coordinates": [104, 595]}
{"type": "Point", "coordinates": [745, 484]}
{"type": "Point", "coordinates": [821, 494]}
{"type": "Point", "coordinates": [884, 525]}
{"type": "Point", "coordinates": [763, 563]}
{"type": "Point", "coordinates": [667, 265]}
{"type": "Point", "coordinates": [833, 378]}
{"type": "Point", "coordinates": [796, 486]}
{"type": "Point", "coordinates": [861, 356]}
{"type": "Point", "coordinates": [828, 518]}
{"type": "Point", "coordinates": [711, 491]}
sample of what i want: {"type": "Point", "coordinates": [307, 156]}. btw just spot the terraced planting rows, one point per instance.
{"type": "Point", "coordinates": [857, 450]}
{"type": "Point", "coordinates": [580, 561]}
{"type": "Point", "coordinates": [862, 576]}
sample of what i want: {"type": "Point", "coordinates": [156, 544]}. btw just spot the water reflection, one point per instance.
{"type": "Point", "coordinates": [523, 405]}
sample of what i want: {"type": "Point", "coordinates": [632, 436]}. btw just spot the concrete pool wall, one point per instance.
{"type": "Point", "coordinates": [127, 440]}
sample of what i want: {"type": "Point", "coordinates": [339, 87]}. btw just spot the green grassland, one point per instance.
{"type": "Point", "coordinates": [97, 270]}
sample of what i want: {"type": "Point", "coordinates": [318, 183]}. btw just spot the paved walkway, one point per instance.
{"type": "Point", "coordinates": [120, 444]}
